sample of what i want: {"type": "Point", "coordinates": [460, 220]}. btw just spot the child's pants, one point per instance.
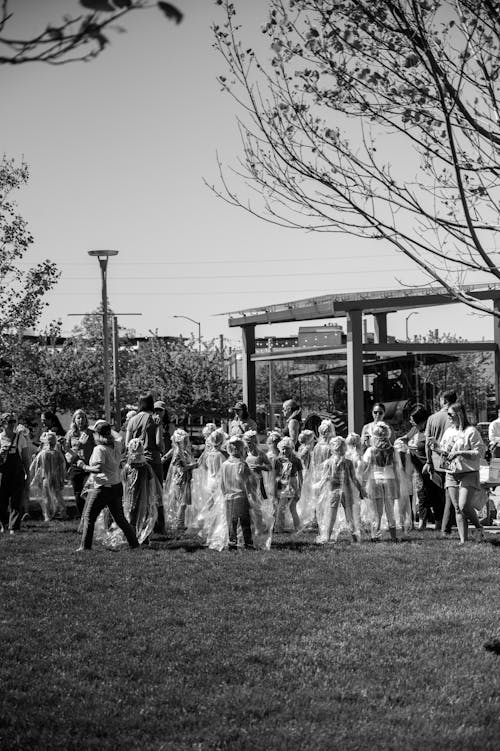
{"type": "Point", "coordinates": [238, 510]}
{"type": "Point", "coordinates": [381, 498]}
{"type": "Point", "coordinates": [290, 502]}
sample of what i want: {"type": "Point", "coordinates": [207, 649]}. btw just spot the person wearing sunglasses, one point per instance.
{"type": "Point", "coordinates": [461, 449]}
{"type": "Point", "coordinates": [378, 414]}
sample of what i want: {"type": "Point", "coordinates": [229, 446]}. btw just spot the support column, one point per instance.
{"type": "Point", "coordinates": [380, 326]}
{"type": "Point", "coordinates": [355, 401]}
{"type": "Point", "coordinates": [496, 339]}
{"type": "Point", "coordinates": [248, 368]}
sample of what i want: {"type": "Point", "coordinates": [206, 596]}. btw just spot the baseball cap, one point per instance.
{"type": "Point", "coordinates": [160, 405]}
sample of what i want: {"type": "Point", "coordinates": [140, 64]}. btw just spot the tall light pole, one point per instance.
{"type": "Point", "coordinates": [103, 256]}
{"type": "Point", "coordinates": [199, 328]}
{"type": "Point", "coordinates": [414, 313]}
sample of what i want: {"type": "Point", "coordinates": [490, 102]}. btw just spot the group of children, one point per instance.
{"type": "Point", "coordinates": [326, 484]}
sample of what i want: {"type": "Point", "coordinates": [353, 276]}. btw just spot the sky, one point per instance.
{"type": "Point", "coordinates": [119, 151]}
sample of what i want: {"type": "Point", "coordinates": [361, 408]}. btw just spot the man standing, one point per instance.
{"type": "Point", "coordinates": [145, 427]}
{"type": "Point", "coordinates": [441, 502]}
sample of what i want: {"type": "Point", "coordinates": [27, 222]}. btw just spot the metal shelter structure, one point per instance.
{"type": "Point", "coordinates": [353, 306]}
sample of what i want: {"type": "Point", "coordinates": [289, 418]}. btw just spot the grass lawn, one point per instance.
{"type": "Point", "coordinates": [177, 647]}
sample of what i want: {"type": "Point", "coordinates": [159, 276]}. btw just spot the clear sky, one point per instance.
{"type": "Point", "coordinates": [118, 149]}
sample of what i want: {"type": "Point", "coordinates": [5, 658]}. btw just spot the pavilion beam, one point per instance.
{"type": "Point", "coordinates": [496, 338]}
{"type": "Point", "coordinates": [431, 347]}
{"type": "Point", "coordinates": [355, 396]}
{"type": "Point", "coordinates": [248, 368]}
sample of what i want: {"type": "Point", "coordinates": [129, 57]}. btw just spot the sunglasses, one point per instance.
{"type": "Point", "coordinates": [377, 412]}
{"type": "Point", "coordinates": [452, 414]}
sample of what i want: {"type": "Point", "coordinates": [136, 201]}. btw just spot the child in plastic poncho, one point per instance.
{"type": "Point", "coordinates": [354, 452]}
{"type": "Point", "coordinates": [405, 515]}
{"type": "Point", "coordinates": [142, 491]}
{"type": "Point", "coordinates": [237, 488]}
{"type": "Point", "coordinates": [261, 506]}
{"type": "Point", "coordinates": [384, 484]}
{"type": "Point", "coordinates": [177, 492]}
{"type": "Point", "coordinates": [321, 452]}
{"type": "Point", "coordinates": [290, 485]}
{"type": "Point", "coordinates": [337, 487]}
{"type": "Point", "coordinates": [199, 484]}
{"type": "Point", "coordinates": [211, 522]}
{"type": "Point", "coordinates": [271, 477]}
{"type": "Point", "coordinates": [48, 470]}
{"type": "Point", "coordinates": [306, 504]}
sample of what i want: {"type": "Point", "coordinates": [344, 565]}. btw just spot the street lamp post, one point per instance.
{"type": "Point", "coordinates": [199, 328]}
{"type": "Point", "coordinates": [413, 313]}
{"type": "Point", "coordinates": [103, 256]}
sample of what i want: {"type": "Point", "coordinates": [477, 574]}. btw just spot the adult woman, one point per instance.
{"type": "Point", "coordinates": [292, 414]}
{"type": "Point", "coordinates": [14, 467]}
{"type": "Point", "coordinates": [104, 465]}
{"type": "Point", "coordinates": [462, 448]}
{"type": "Point", "coordinates": [378, 414]}
{"type": "Point", "coordinates": [79, 444]}
{"type": "Point", "coordinates": [241, 421]}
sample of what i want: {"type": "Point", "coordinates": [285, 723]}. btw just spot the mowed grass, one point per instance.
{"type": "Point", "coordinates": [177, 647]}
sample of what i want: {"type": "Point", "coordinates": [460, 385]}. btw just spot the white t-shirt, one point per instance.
{"type": "Point", "coordinates": [463, 440]}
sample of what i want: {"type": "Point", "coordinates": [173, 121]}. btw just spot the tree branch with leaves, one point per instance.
{"type": "Point", "coordinates": [75, 38]}
{"type": "Point", "coordinates": [376, 118]}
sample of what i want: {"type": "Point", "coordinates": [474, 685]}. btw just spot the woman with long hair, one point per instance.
{"type": "Point", "coordinates": [79, 444]}
{"type": "Point", "coordinates": [462, 448]}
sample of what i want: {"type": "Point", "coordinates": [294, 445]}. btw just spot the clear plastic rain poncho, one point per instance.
{"type": "Point", "coordinates": [321, 452]}
{"type": "Point", "coordinates": [199, 486]}
{"type": "Point", "coordinates": [307, 503]}
{"type": "Point", "coordinates": [142, 492]}
{"type": "Point", "coordinates": [211, 522]}
{"type": "Point", "coordinates": [261, 506]}
{"type": "Point", "coordinates": [354, 452]}
{"type": "Point", "coordinates": [290, 486]}
{"type": "Point", "coordinates": [48, 471]}
{"type": "Point", "coordinates": [177, 492]}
{"type": "Point", "coordinates": [338, 495]}
{"type": "Point", "coordinates": [386, 485]}
{"type": "Point", "coordinates": [271, 476]}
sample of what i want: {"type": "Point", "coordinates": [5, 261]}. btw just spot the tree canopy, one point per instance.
{"type": "Point", "coordinates": [377, 118]}
{"type": "Point", "coordinates": [22, 291]}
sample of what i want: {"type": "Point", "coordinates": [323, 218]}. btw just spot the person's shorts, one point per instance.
{"type": "Point", "coordinates": [462, 480]}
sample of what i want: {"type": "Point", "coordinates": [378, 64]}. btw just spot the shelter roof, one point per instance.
{"type": "Point", "coordinates": [371, 303]}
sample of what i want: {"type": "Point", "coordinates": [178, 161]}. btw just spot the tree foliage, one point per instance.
{"type": "Point", "coordinates": [50, 374]}
{"type": "Point", "coordinates": [74, 38]}
{"type": "Point", "coordinates": [378, 118]}
{"type": "Point", "coordinates": [21, 291]}
{"type": "Point", "coordinates": [190, 382]}
{"type": "Point", "coordinates": [471, 376]}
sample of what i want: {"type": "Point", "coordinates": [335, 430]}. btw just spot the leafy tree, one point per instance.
{"type": "Point", "coordinates": [349, 85]}
{"type": "Point", "coordinates": [21, 292]}
{"type": "Point", "coordinates": [75, 38]}
{"type": "Point", "coordinates": [191, 382]}
{"type": "Point", "coordinates": [471, 375]}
